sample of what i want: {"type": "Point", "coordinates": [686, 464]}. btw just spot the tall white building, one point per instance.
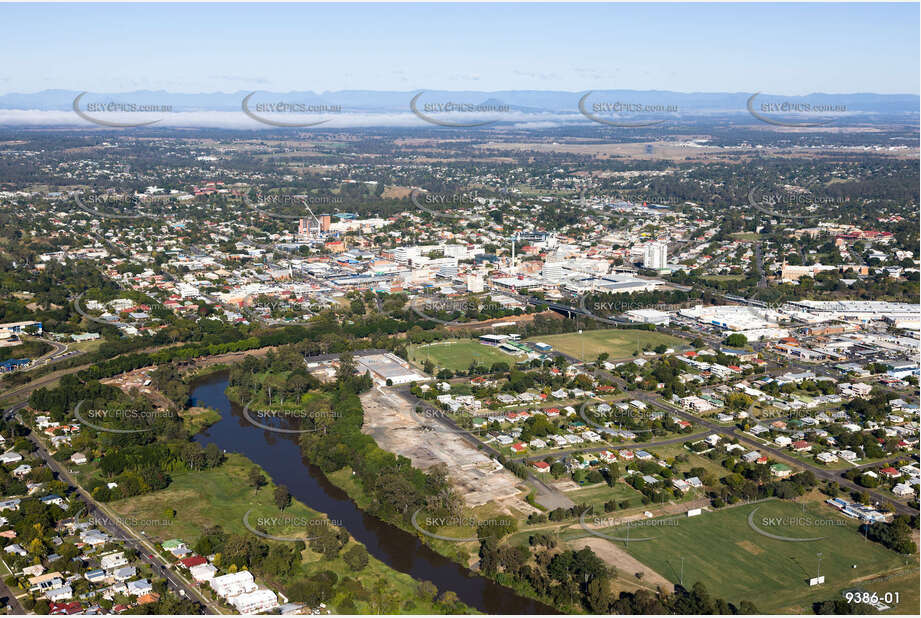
{"type": "Point", "coordinates": [655, 256]}
{"type": "Point", "coordinates": [475, 283]}
{"type": "Point", "coordinates": [552, 271]}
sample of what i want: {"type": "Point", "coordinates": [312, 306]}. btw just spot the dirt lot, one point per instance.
{"type": "Point", "coordinates": [476, 476]}
{"type": "Point", "coordinates": [625, 564]}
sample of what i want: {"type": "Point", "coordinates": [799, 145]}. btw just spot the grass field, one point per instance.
{"type": "Point", "coordinates": [221, 497]}
{"type": "Point", "coordinates": [459, 354]}
{"type": "Point", "coordinates": [722, 551]}
{"type": "Point", "coordinates": [617, 342]}
{"type": "Point", "coordinates": [597, 495]}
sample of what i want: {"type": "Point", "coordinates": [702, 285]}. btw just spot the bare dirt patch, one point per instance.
{"type": "Point", "coordinates": [750, 547]}
{"type": "Point", "coordinates": [477, 477]}
{"type": "Point", "coordinates": [624, 562]}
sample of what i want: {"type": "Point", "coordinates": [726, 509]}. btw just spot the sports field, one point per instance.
{"type": "Point", "coordinates": [737, 563]}
{"type": "Point", "coordinates": [459, 354]}
{"type": "Point", "coordinates": [617, 342]}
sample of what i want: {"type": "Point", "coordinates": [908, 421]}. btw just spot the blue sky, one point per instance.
{"type": "Point", "coordinates": [779, 48]}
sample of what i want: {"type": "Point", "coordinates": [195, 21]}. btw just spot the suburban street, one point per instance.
{"type": "Point", "coordinates": [102, 516]}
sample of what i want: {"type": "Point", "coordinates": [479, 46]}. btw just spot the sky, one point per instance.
{"type": "Point", "coordinates": [792, 49]}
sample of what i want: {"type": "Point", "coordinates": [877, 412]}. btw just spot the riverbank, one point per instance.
{"type": "Point", "coordinates": [281, 456]}
{"type": "Point", "coordinates": [199, 501]}
{"type": "Point", "coordinates": [463, 554]}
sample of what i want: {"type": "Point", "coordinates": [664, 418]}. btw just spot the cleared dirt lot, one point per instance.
{"type": "Point", "coordinates": [624, 562]}
{"type": "Point", "coordinates": [476, 476]}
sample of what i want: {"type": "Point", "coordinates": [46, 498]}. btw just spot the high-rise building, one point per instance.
{"type": "Point", "coordinates": [475, 283]}
{"type": "Point", "coordinates": [552, 271]}
{"type": "Point", "coordinates": [655, 256]}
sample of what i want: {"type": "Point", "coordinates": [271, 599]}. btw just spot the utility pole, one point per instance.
{"type": "Point", "coordinates": [681, 579]}
{"type": "Point", "coordinates": [819, 567]}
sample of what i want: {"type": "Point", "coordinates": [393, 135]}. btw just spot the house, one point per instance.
{"type": "Point", "coordinates": [95, 576]}
{"type": "Point", "coordinates": [12, 504]}
{"type": "Point", "coordinates": [22, 471]}
{"type": "Point", "coordinates": [150, 597]}
{"type": "Point", "coordinates": [47, 581]}
{"type": "Point", "coordinates": [53, 499]}
{"type": "Point", "coordinates": [192, 561]}
{"type": "Point", "coordinates": [541, 466]}
{"type": "Point", "coordinates": [203, 572]}
{"type": "Point", "coordinates": [61, 593]}
{"type": "Point", "coordinates": [10, 457]}
{"type": "Point", "coordinates": [78, 458]}
{"type": "Point", "coordinates": [519, 447]}
{"type": "Point", "coordinates": [751, 456]}
{"type": "Point", "coordinates": [890, 472]}
{"type": "Point", "coordinates": [801, 446]}
{"type": "Point", "coordinates": [781, 471]}
{"type": "Point", "coordinates": [15, 548]}
{"type": "Point", "coordinates": [113, 560]}
{"type": "Point", "coordinates": [123, 574]}
{"type": "Point", "coordinates": [254, 602]}
{"type": "Point", "coordinates": [139, 587]}
{"type": "Point", "coordinates": [173, 545]}
{"type": "Point", "coordinates": [903, 489]}
{"type": "Point", "coordinates": [826, 457]}
{"type": "Point", "coordinates": [783, 441]}
{"type": "Point", "coordinates": [607, 456]}
{"type": "Point", "coordinates": [232, 584]}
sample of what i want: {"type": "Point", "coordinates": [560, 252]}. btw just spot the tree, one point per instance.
{"type": "Point", "coordinates": [356, 557]}
{"type": "Point", "coordinates": [255, 478]}
{"type": "Point", "coordinates": [736, 340]}
{"type": "Point", "coordinates": [282, 497]}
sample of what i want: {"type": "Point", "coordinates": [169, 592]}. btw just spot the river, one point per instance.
{"type": "Point", "coordinates": [279, 455]}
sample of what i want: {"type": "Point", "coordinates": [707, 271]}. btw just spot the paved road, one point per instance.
{"type": "Point", "coordinates": [102, 518]}
{"type": "Point", "coordinates": [11, 600]}
{"type": "Point", "coordinates": [547, 495]}
{"type": "Point", "coordinates": [819, 472]}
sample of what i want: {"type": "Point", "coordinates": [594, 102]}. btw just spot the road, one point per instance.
{"type": "Point", "coordinates": [712, 427]}
{"type": "Point", "coordinates": [110, 522]}
{"type": "Point", "coordinates": [11, 600]}
{"type": "Point", "coordinates": [547, 495]}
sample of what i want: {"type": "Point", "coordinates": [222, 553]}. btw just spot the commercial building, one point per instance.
{"type": "Point", "coordinates": [655, 256]}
